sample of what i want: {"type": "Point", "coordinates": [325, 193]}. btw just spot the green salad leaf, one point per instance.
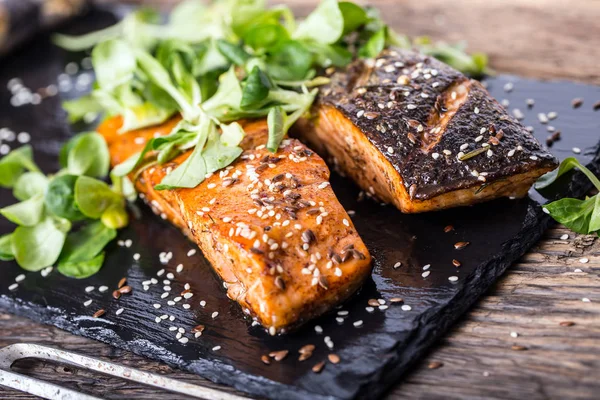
{"type": "Point", "coordinates": [6, 253]}
{"type": "Point", "coordinates": [60, 198]}
{"type": "Point", "coordinates": [93, 197]}
{"type": "Point", "coordinates": [14, 164]}
{"type": "Point", "coordinates": [581, 216]}
{"type": "Point", "coordinates": [38, 246]}
{"type": "Point", "coordinates": [88, 154]}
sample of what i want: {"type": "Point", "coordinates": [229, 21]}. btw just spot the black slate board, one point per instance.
{"type": "Point", "coordinates": [374, 355]}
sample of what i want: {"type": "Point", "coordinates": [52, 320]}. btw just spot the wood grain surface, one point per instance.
{"type": "Point", "coordinates": [543, 39]}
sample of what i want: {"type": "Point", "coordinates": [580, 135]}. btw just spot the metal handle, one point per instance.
{"type": "Point", "coordinates": [14, 352]}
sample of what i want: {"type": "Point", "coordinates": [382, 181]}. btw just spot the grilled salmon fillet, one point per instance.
{"type": "Point", "coordinates": [416, 133]}
{"type": "Point", "coordinates": [269, 224]}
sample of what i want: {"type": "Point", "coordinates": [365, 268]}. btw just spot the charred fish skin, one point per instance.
{"type": "Point", "coordinates": [269, 224]}
{"type": "Point", "coordinates": [442, 140]}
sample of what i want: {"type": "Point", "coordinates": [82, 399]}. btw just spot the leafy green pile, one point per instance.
{"type": "Point", "coordinates": [51, 207]}
{"type": "Point", "coordinates": [581, 216]}
{"type": "Point", "coordinates": [219, 63]}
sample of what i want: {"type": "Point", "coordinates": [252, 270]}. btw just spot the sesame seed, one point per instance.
{"type": "Point", "coordinates": [453, 278]}
{"type": "Point", "coordinates": [216, 348]}
{"type": "Point", "coordinates": [186, 306]}
{"type": "Point", "coordinates": [215, 314]}
{"type": "Point", "coordinates": [136, 256]}
{"type": "Point", "coordinates": [14, 286]}
{"type": "Point", "coordinates": [357, 323]}
{"type": "Point", "coordinates": [103, 289]}
{"type": "Point", "coordinates": [426, 267]}
{"type": "Point", "coordinates": [184, 340]}
{"type": "Point", "coordinates": [318, 329]}
{"type": "Point", "coordinates": [191, 252]}
{"type": "Point", "coordinates": [514, 334]}
{"type": "Point", "coordinates": [119, 311]}
{"type": "Point", "coordinates": [552, 115]}
{"type": "Point", "coordinates": [508, 87]}
{"type": "Point", "coordinates": [425, 274]}
{"type": "Point", "coordinates": [586, 300]}
{"type": "Point", "coordinates": [390, 150]}
{"type": "Point", "coordinates": [20, 278]}
{"type": "Point", "coordinates": [406, 307]}
{"type": "Point", "coordinates": [345, 222]}
{"type": "Point", "coordinates": [576, 150]}
{"type": "Point", "coordinates": [435, 155]}
{"type": "Point", "coordinates": [156, 305]}
{"type": "Point", "coordinates": [564, 237]}
{"type": "Point", "coordinates": [89, 289]}
{"type": "Point", "coordinates": [476, 110]}
{"type": "Point", "coordinates": [397, 265]}
{"type": "Point", "coordinates": [584, 260]}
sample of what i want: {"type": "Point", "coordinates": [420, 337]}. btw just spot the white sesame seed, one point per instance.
{"type": "Point", "coordinates": [186, 306]}
{"type": "Point", "coordinates": [426, 267]}
{"type": "Point", "coordinates": [435, 155]}
{"type": "Point", "coordinates": [411, 106]}
{"type": "Point", "coordinates": [188, 295]}
{"type": "Point", "coordinates": [89, 289]}
{"type": "Point", "coordinates": [164, 295]}
{"type": "Point", "coordinates": [156, 305]}
{"type": "Point", "coordinates": [103, 289]}
{"type": "Point", "coordinates": [564, 237]}
{"type": "Point", "coordinates": [534, 158]}
{"type": "Point", "coordinates": [390, 150]}
{"type": "Point", "coordinates": [318, 329]}
{"type": "Point", "coordinates": [406, 307]}
{"type": "Point", "coordinates": [184, 340]}
{"type": "Point", "coordinates": [476, 110]}
{"type": "Point", "coordinates": [216, 348]}
{"type": "Point", "coordinates": [136, 256]}
{"type": "Point", "coordinates": [191, 252]}
{"type": "Point", "coordinates": [546, 210]}
{"type": "Point", "coordinates": [170, 276]}
{"type": "Point", "coordinates": [157, 320]}
{"type": "Point", "coordinates": [552, 115]}
{"type": "Point", "coordinates": [119, 311]}
{"type": "Point", "coordinates": [357, 323]}
{"type": "Point", "coordinates": [584, 260]}
{"type": "Point", "coordinates": [508, 87]}
{"type": "Point", "coordinates": [425, 274]}
{"type": "Point", "coordinates": [453, 278]}
{"type": "Point", "coordinates": [578, 270]}
{"type": "Point", "coordinates": [337, 272]}
{"type": "Point", "coordinates": [345, 222]}
{"type": "Point", "coordinates": [215, 314]}
{"type": "Point", "coordinates": [576, 150]}
{"type": "Point", "coordinates": [202, 303]}
{"type": "Point", "coordinates": [542, 118]}
{"type": "Point", "coordinates": [586, 300]}
{"type": "Point", "coordinates": [14, 286]}
{"type": "Point", "coordinates": [160, 272]}
{"type": "Point", "coordinates": [20, 278]}
{"type": "Point", "coordinates": [87, 302]}
{"type": "Point", "coordinates": [514, 334]}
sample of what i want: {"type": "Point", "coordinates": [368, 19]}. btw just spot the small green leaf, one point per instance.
{"type": "Point", "coordinates": [144, 115]}
{"type": "Point", "coordinates": [374, 45]}
{"type": "Point", "coordinates": [550, 177]}
{"type": "Point", "coordinates": [14, 164]}
{"type": "Point", "coordinates": [266, 36]}
{"type": "Point", "coordinates": [575, 214]}
{"type": "Point", "coordinates": [36, 247]}
{"type": "Point", "coordinates": [275, 121]}
{"type": "Point", "coordinates": [324, 25]}
{"type": "Point", "coordinates": [81, 107]}
{"type": "Point", "coordinates": [115, 217]}
{"type": "Point", "coordinates": [289, 61]}
{"type": "Point", "coordinates": [30, 184]}
{"type": "Point", "coordinates": [232, 134]}
{"type": "Point", "coordinates": [86, 243]}
{"type": "Point", "coordinates": [25, 213]}
{"type": "Point", "coordinates": [81, 269]}
{"type": "Point", "coordinates": [89, 156]}
{"type": "Point", "coordinates": [255, 90]}
{"type": "Point", "coordinates": [595, 217]}
{"type": "Point", "coordinates": [60, 198]}
{"type": "Point", "coordinates": [93, 197]}
{"type": "Point", "coordinates": [114, 63]}
{"type": "Point", "coordinates": [354, 16]}
{"type": "Point", "coordinates": [6, 253]}
{"type": "Point", "coordinates": [232, 52]}
{"type": "Point", "coordinates": [217, 154]}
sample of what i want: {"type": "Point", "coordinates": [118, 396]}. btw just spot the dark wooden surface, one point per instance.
{"type": "Point", "coordinates": [545, 39]}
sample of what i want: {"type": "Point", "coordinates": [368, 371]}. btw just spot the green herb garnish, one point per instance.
{"type": "Point", "coordinates": [581, 216]}
{"type": "Point", "coordinates": [66, 218]}
{"type": "Point", "coordinates": [220, 63]}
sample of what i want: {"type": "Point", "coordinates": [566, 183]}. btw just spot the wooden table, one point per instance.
{"type": "Point", "coordinates": [544, 39]}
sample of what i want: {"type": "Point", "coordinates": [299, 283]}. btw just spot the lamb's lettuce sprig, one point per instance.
{"type": "Point", "coordinates": [581, 216]}
{"type": "Point", "coordinates": [216, 64]}
{"type": "Point", "coordinates": [66, 218]}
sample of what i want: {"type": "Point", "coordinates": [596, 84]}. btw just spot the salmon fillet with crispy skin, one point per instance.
{"type": "Point", "coordinates": [269, 224]}
{"type": "Point", "coordinates": [416, 133]}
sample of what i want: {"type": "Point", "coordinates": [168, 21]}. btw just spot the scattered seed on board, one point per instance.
{"type": "Point", "coordinates": [216, 348]}
{"type": "Point", "coordinates": [518, 348]}
{"type": "Point", "coordinates": [122, 283]}
{"type": "Point", "coordinates": [103, 289]}
{"type": "Point", "coordinates": [14, 286]}
{"type": "Point", "coordinates": [586, 300]}
{"type": "Point", "coordinates": [577, 102]}
{"type": "Point", "coordinates": [456, 263]}
{"type": "Point", "coordinates": [89, 289]}
{"type": "Point", "coordinates": [564, 237]}
{"type": "Point", "coordinates": [567, 323]}
{"type": "Point", "coordinates": [87, 302]}
{"type": "Point", "coordinates": [406, 307]}
{"type": "Point", "coordinates": [19, 278]}
{"type": "Point", "coordinates": [99, 313]}
{"type": "Point", "coordinates": [584, 260]}
{"type": "Point", "coordinates": [265, 359]}
{"type": "Point", "coordinates": [453, 278]}
{"type": "Point", "coordinates": [514, 334]}
{"type": "Point", "coordinates": [435, 365]}
{"type": "Point", "coordinates": [279, 355]}
{"type": "Point", "coordinates": [461, 245]}
{"type": "Point", "coordinates": [333, 358]}
{"type": "Point", "coordinates": [318, 367]}
{"type": "Point", "coordinates": [119, 311]}
{"type": "Point", "coordinates": [426, 274]}
{"type": "Point", "coordinates": [397, 265]}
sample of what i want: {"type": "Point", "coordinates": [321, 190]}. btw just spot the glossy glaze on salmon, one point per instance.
{"type": "Point", "coordinates": [416, 133]}
{"type": "Point", "coordinates": [269, 224]}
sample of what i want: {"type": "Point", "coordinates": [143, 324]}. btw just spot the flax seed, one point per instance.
{"type": "Point", "coordinates": [122, 283]}
{"type": "Point", "coordinates": [435, 365]}
{"type": "Point", "coordinates": [333, 358]}
{"type": "Point", "coordinates": [318, 367]}
{"type": "Point", "coordinates": [279, 355]}
{"type": "Point", "coordinates": [125, 289]}
{"type": "Point", "coordinates": [448, 228]}
{"type": "Point", "coordinates": [265, 359]}
{"type": "Point", "coordinates": [461, 245]}
{"type": "Point", "coordinates": [456, 263]}
{"type": "Point", "coordinates": [116, 294]}
{"type": "Point", "coordinates": [518, 348]}
{"type": "Point", "coordinates": [99, 313]}
{"type": "Point", "coordinates": [567, 323]}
